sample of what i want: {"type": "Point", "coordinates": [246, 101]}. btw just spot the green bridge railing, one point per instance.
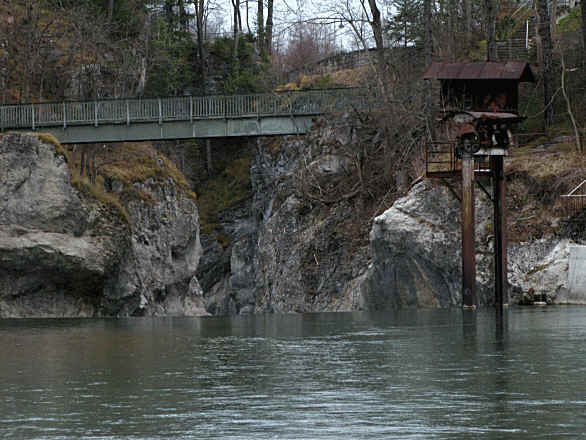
{"type": "Point", "coordinates": [187, 108]}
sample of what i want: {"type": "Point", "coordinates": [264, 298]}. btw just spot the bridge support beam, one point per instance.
{"type": "Point", "coordinates": [468, 245]}
{"type": "Point", "coordinates": [198, 129]}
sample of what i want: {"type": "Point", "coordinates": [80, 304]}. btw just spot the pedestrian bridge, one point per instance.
{"type": "Point", "coordinates": [119, 120]}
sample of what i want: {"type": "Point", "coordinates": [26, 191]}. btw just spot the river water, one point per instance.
{"type": "Point", "coordinates": [406, 375]}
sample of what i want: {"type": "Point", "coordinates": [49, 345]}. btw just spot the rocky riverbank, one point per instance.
{"type": "Point", "coordinates": [294, 253]}
{"type": "Point", "coordinates": [417, 256]}
{"type": "Point", "coordinates": [287, 246]}
{"type": "Point", "coordinates": [64, 252]}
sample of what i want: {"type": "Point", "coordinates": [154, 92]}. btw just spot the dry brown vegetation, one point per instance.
{"type": "Point", "coordinates": [127, 163]}
{"type": "Point", "coordinates": [537, 175]}
{"type": "Point", "coordinates": [343, 78]}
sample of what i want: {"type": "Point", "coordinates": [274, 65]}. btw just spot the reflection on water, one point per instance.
{"type": "Point", "coordinates": [411, 374]}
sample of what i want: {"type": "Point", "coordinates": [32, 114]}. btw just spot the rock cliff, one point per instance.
{"type": "Point", "coordinates": [293, 253]}
{"type": "Point", "coordinates": [64, 252]}
{"type": "Point", "coordinates": [417, 256]}
{"type": "Point", "coordinates": [287, 252]}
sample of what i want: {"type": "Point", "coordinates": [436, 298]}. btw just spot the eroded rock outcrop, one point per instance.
{"type": "Point", "coordinates": [64, 253]}
{"type": "Point", "coordinates": [297, 244]}
{"type": "Point", "coordinates": [416, 247]}
{"type": "Point", "coordinates": [303, 262]}
{"type": "Point", "coordinates": [287, 253]}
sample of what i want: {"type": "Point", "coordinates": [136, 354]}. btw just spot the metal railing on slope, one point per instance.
{"type": "Point", "coordinates": [575, 201]}
{"type": "Point", "coordinates": [187, 108]}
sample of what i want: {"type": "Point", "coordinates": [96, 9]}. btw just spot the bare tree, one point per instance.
{"type": "Point", "coordinates": [307, 43]}
{"type": "Point", "coordinates": [428, 58]}
{"type": "Point", "coordinates": [546, 62]}
{"type": "Point", "coordinates": [110, 9]}
{"type": "Point", "coordinates": [269, 27]}
{"type": "Point", "coordinates": [467, 6]}
{"type": "Point", "coordinates": [200, 10]}
{"type": "Point", "coordinates": [260, 32]}
{"type": "Point", "coordinates": [583, 6]}
{"type": "Point", "coordinates": [237, 28]}
{"type": "Point", "coordinates": [490, 11]}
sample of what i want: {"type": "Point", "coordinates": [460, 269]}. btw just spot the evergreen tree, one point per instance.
{"type": "Point", "coordinates": [405, 25]}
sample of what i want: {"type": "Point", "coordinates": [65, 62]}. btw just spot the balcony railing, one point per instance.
{"type": "Point", "coordinates": [575, 201]}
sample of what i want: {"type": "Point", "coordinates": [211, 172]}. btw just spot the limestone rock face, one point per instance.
{"type": "Point", "coordinates": [416, 247]}
{"type": "Point", "coordinates": [417, 252]}
{"type": "Point", "coordinates": [538, 271]}
{"type": "Point", "coordinates": [286, 253]}
{"type": "Point", "coordinates": [35, 190]}
{"type": "Point", "coordinates": [162, 257]}
{"type": "Point", "coordinates": [63, 253]}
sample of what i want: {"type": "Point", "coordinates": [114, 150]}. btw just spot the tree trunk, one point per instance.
{"type": "Point", "coordinates": [428, 58]}
{"type": "Point", "coordinates": [110, 9]}
{"type": "Point", "coordinates": [579, 143]}
{"type": "Point", "coordinates": [88, 166]}
{"type": "Point", "coordinates": [452, 19]}
{"type": "Point", "coordinates": [490, 30]}
{"type": "Point", "coordinates": [247, 20]}
{"type": "Point", "coordinates": [377, 30]}
{"type": "Point", "coordinates": [546, 62]}
{"type": "Point", "coordinates": [260, 32]}
{"type": "Point", "coordinates": [537, 35]}
{"type": "Point", "coordinates": [269, 27]}
{"type": "Point", "coordinates": [82, 162]}
{"type": "Point", "coordinates": [169, 14]}
{"type": "Point", "coordinates": [236, 31]}
{"type": "Point", "coordinates": [583, 6]}
{"type": "Point", "coordinates": [93, 168]}
{"type": "Point", "coordinates": [209, 164]}
{"type": "Point", "coordinates": [554, 13]}
{"type": "Point", "coordinates": [199, 20]}
{"type": "Point", "coordinates": [468, 17]}
{"type": "Point", "coordinates": [183, 19]}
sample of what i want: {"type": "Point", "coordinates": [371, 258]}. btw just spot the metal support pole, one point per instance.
{"type": "Point", "coordinates": [468, 248]}
{"type": "Point", "coordinates": [500, 236]}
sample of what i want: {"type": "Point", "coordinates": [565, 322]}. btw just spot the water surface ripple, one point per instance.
{"type": "Point", "coordinates": [404, 375]}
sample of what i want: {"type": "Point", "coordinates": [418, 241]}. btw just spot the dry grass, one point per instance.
{"type": "Point", "coordinates": [343, 78]}
{"type": "Point", "coordinates": [48, 138]}
{"type": "Point", "coordinates": [132, 162]}
{"type": "Point", "coordinates": [97, 192]}
{"type": "Point", "coordinates": [128, 163]}
{"type": "Point", "coordinates": [536, 178]}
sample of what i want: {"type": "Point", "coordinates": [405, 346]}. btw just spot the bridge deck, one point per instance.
{"type": "Point", "coordinates": [178, 117]}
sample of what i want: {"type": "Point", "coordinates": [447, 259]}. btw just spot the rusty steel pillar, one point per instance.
{"type": "Point", "coordinates": [500, 236]}
{"type": "Point", "coordinates": [468, 248]}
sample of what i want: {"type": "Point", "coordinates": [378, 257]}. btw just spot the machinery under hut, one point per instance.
{"type": "Point", "coordinates": [479, 107]}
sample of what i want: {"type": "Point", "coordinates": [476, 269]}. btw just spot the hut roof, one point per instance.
{"type": "Point", "coordinates": [510, 70]}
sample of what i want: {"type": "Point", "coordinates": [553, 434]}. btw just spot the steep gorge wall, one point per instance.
{"type": "Point", "coordinates": [416, 247]}
{"type": "Point", "coordinates": [291, 254]}
{"type": "Point", "coordinates": [287, 253]}
{"type": "Point", "coordinates": [65, 253]}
